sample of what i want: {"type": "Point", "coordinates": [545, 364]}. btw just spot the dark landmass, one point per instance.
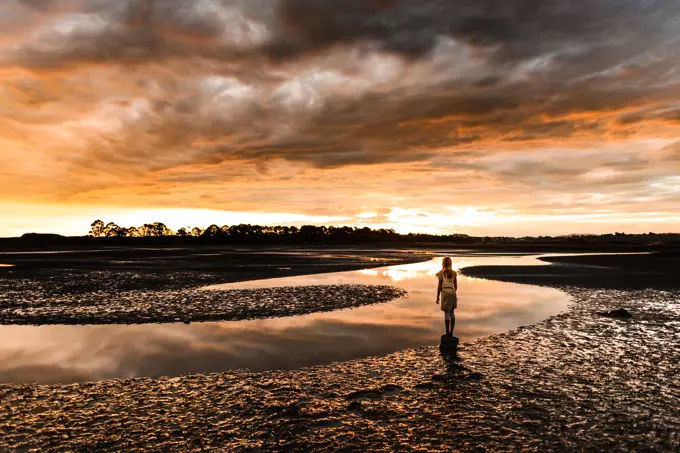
{"type": "Point", "coordinates": [184, 267]}
{"type": "Point", "coordinates": [654, 270]}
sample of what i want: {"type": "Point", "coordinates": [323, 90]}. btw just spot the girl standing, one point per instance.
{"type": "Point", "coordinates": [447, 289]}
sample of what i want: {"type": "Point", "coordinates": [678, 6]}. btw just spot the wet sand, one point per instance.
{"type": "Point", "coordinates": [577, 381]}
{"type": "Point", "coordinates": [24, 307]}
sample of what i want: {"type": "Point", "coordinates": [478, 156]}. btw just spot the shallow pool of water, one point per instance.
{"type": "Point", "coordinates": [89, 353]}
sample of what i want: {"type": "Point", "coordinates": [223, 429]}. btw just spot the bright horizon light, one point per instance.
{"type": "Point", "coordinates": [464, 220]}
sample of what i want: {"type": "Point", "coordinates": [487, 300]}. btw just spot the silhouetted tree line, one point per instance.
{"type": "Point", "coordinates": [157, 233]}
{"type": "Point", "coordinates": [238, 234]}
{"type": "Point", "coordinates": [99, 229]}
{"type": "Point", "coordinates": [247, 233]}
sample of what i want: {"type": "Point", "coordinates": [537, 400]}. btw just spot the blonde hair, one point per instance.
{"type": "Point", "coordinates": [447, 267]}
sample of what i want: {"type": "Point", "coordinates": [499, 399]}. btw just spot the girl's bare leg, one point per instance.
{"type": "Point", "coordinates": [446, 322]}
{"type": "Point", "coordinates": [453, 322]}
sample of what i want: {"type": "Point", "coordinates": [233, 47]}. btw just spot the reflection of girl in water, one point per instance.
{"type": "Point", "coordinates": [448, 285]}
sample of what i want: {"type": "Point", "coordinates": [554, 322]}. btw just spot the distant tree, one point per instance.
{"type": "Point", "coordinates": [281, 231]}
{"type": "Point", "coordinates": [146, 230]}
{"type": "Point", "coordinates": [346, 231]}
{"type": "Point", "coordinates": [113, 230]}
{"type": "Point", "coordinates": [309, 232]}
{"type": "Point", "coordinates": [211, 231]}
{"type": "Point", "coordinates": [255, 231]}
{"type": "Point", "coordinates": [182, 232]}
{"type": "Point", "coordinates": [97, 229]}
{"type": "Point", "coordinates": [239, 231]}
{"type": "Point", "coordinates": [196, 232]}
{"type": "Point", "coordinates": [159, 229]}
{"type": "Point", "coordinates": [133, 232]}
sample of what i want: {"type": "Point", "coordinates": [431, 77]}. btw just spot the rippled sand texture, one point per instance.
{"type": "Point", "coordinates": [577, 381]}
{"type": "Point", "coordinates": [193, 305]}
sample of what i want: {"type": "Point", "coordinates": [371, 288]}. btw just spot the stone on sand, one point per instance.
{"type": "Point", "coordinates": [621, 313]}
{"type": "Point", "coordinates": [448, 343]}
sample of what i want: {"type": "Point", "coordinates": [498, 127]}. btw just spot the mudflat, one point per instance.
{"type": "Point", "coordinates": [577, 381]}
{"type": "Point", "coordinates": [156, 285]}
{"type": "Point", "coordinates": [178, 267]}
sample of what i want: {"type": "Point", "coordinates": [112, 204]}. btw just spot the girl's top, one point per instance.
{"type": "Point", "coordinates": [446, 281]}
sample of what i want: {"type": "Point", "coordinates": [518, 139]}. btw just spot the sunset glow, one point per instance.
{"type": "Point", "coordinates": [416, 115]}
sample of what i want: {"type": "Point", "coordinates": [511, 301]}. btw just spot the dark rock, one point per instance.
{"type": "Point", "coordinates": [474, 377]}
{"type": "Point", "coordinates": [449, 344]}
{"type": "Point", "coordinates": [364, 394]}
{"type": "Point", "coordinates": [354, 406]}
{"type": "Point", "coordinates": [391, 389]}
{"type": "Point", "coordinates": [621, 313]}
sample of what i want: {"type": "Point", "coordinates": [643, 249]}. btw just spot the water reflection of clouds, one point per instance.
{"type": "Point", "coordinates": [99, 352]}
{"type": "Point", "coordinates": [70, 354]}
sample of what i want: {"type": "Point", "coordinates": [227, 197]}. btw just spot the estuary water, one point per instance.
{"type": "Point", "coordinates": [64, 354]}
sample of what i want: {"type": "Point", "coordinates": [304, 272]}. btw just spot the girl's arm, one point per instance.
{"type": "Point", "coordinates": [455, 281]}
{"type": "Point", "coordinates": [439, 290]}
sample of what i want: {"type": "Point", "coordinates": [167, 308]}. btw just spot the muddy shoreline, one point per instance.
{"type": "Point", "coordinates": [577, 381]}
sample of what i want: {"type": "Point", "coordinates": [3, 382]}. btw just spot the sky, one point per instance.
{"type": "Point", "coordinates": [484, 117]}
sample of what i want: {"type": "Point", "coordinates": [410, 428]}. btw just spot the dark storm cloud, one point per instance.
{"type": "Point", "coordinates": [520, 27]}
{"type": "Point", "coordinates": [133, 30]}
{"type": "Point", "coordinates": [140, 32]}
